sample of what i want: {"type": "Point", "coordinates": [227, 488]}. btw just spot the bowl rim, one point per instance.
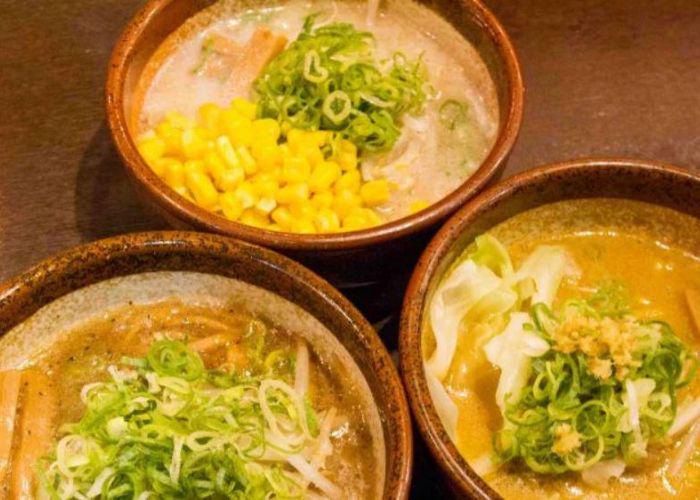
{"type": "Point", "coordinates": [456, 468]}
{"type": "Point", "coordinates": [197, 217]}
{"type": "Point", "coordinates": [29, 291]}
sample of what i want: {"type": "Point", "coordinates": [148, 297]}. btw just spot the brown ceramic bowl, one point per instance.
{"type": "Point", "coordinates": [249, 265]}
{"type": "Point", "coordinates": [377, 250]}
{"type": "Point", "coordinates": [654, 183]}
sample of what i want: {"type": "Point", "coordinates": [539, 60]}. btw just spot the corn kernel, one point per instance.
{"type": "Point", "coordinates": [347, 155]}
{"type": "Point", "coordinates": [215, 167]}
{"type": "Point", "coordinates": [230, 206]}
{"type": "Point", "coordinates": [244, 108]}
{"type": "Point", "coordinates": [266, 205]}
{"type": "Point", "coordinates": [210, 114]}
{"type": "Point", "coordinates": [320, 137]}
{"type": "Point", "coordinates": [417, 206]}
{"type": "Point", "coordinates": [355, 221]}
{"type": "Point", "coordinates": [323, 176]}
{"type": "Point", "coordinates": [266, 129]}
{"type": "Point", "coordinates": [205, 133]}
{"type": "Point", "coordinates": [202, 189]}
{"type": "Point", "coordinates": [237, 128]}
{"type": "Point", "coordinates": [246, 194]}
{"type": "Point", "coordinates": [227, 153]}
{"type": "Point", "coordinates": [267, 154]}
{"type": "Point", "coordinates": [230, 178]}
{"type": "Point", "coordinates": [178, 120]}
{"type": "Point", "coordinates": [282, 216]}
{"type": "Point", "coordinates": [172, 136]}
{"type": "Point", "coordinates": [322, 200]}
{"type": "Point", "coordinates": [285, 150]}
{"type": "Point", "coordinates": [307, 149]}
{"type": "Point", "coordinates": [347, 162]}
{"type": "Point", "coordinates": [295, 170]}
{"type": "Point", "coordinates": [349, 180]}
{"type": "Point", "coordinates": [247, 160]}
{"type": "Point", "coordinates": [252, 217]}
{"type": "Point", "coordinates": [175, 175]}
{"type": "Point", "coordinates": [195, 166]}
{"type": "Point", "coordinates": [160, 166]}
{"type": "Point", "coordinates": [326, 221]}
{"type": "Point", "coordinates": [184, 192]}
{"type": "Point", "coordinates": [373, 217]}
{"type": "Point", "coordinates": [294, 137]}
{"type": "Point", "coordinates": [348, 147]}
{"type": "Point", "coordinates": [152, 149]}
{"type": "Point", "coordinates": [375, 193]}
{"type": "Point", "coordinates": [345, 200]}
{"type": "Point", "coordinates": [293, 193]}
{"type": "Point", "coordinates": [303, 210]}
{"type": "Point", "coordinates": [303, 226]}
{"type": "Point", "coordinates": [193, 146]}
{"type": "Point", "coordinates": [265, 184]}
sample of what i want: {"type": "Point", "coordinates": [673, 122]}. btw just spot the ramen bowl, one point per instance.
{"type": "Point", "coordinates": [86, 283]}
{"type": "Point", "coordinates": [589, 186]}
{"type": "Point", "coordinates": [380, 249]}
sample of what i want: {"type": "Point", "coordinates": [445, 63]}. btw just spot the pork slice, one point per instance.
{"type": "Point", "coordinates": [240, 64]}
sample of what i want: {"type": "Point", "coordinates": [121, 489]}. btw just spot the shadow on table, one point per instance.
{"type": "Point", "coordinates": [428, 481]}
{"type": "Point", "coordinates": [105, 202]}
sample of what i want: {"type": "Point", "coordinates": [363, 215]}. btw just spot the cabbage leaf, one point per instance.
{"type": "Point", "coordinates": [465, 286]}
{"type": "Point", "coordinates": [547, 265]}
{"type": "Point", "coordinates": [445, 407]}
{"type": "Point", "coordinates": [511, 352]}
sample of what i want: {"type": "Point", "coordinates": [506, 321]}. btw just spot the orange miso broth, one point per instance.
{"type": "Point", "coordinates": [646, 256]}
{"type": "Point", "coordinates": [230, 385]}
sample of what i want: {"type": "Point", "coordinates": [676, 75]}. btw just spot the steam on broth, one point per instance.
{"type": "Point", "coordinates": [561, 352]}
{"type": "Point", "coordinates": [170, 399]}
{"type": "Point", "coordinates": [340, 114]}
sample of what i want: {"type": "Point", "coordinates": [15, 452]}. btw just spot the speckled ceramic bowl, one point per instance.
{"type": "Point", "coordinates": [144, 267]}
{"type": "Point", "coordinates": [654, 183]}
{"type": "Point", "coordinates": [344, 258]}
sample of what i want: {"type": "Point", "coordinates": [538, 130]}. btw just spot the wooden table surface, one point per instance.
{"type": "Point", "coordinates": [603, 77]}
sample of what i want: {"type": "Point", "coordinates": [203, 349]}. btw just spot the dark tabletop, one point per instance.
{"type": "Point", "coordinates": [603, 77]}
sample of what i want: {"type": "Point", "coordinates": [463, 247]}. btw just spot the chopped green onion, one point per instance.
{"type": "Point", "coordinates": [453, 114]}
{"type": "Point", "coordinates": [337, 106]}
{"type": "Point", "coordinates": [586, 401]}
{"type": "Point", "coordinates": [172, 429]}
{"type": "Point", "coordinates": [207, 51]}
{"type": "Point", "coordinates": [168, 357]}
{"type": "Point", "coordinates": [330, 79]}
{"type": "Point", "coordinates": [312, 62]}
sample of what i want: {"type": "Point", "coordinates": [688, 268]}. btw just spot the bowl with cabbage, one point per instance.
{"type": "Point", "coordinates": [550, 335]}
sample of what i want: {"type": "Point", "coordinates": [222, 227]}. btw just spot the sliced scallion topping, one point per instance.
{"type": "Point", "coordinates": [166, 427]}
{"type": "Point", "coordinates": [330, 79]}
{"type": "Point", "coordinates": [605, 389]}
{"type": "Point", "coordinates": [453, 114]}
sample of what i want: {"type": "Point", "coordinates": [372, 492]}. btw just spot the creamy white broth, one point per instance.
{"type": "Point", "coordinates": [427, 162]}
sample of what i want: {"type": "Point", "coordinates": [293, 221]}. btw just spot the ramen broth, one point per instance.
{"type": "Point", "coordinates": [653, 253]}
{"type": "Point", "coordinates": [430, 159]}
{"type": "Point", "coordinates": [228, 340]}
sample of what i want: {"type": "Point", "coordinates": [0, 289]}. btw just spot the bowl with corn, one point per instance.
{"type": "Point", "coordinates": [297, 191]}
